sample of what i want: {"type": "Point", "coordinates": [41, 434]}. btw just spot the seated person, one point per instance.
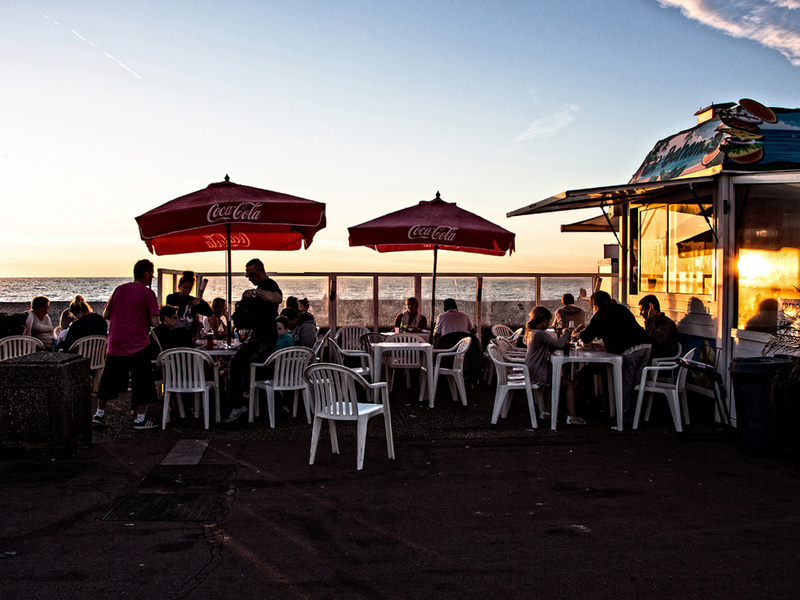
{"type": "Point", "coordinates": [66, 317]}
{"type": "Point", "coordinates": [292, 302]}
{"type": "Point", "coordinates": [569, 312]}
{"type": "Point", "coordinates": [303, 305]}
{"type": "Point", "coordinates": [38, 324]}
{"type": "Point", "coordinates": [411, 319]}
{"type": "Point", "coordinates": [218, 322]}
{"type": "Point", "coordinates": [166, 331]}
{"type": "Point", "coordinates": [537, 359]}
{"type": "Point", "coordinates": [84, 323]}
{"type": "Point", "coordinates": [304, 330]}
{"type": "Point", "coordinates": [285, 339]}
{"type": "Point", "coordinates": [452, 320]}
{"type": "Point", "coordinates": [661, 329]}
{"type": "Point", "coordinates": [621, 334]}
{"type": "Point", "coordinates": [188, 307]}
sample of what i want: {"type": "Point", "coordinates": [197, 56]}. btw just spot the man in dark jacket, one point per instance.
{"type": "Point", "coordinates": [621, 334]}
{"type": "Point", "coordinates": [661, 329]}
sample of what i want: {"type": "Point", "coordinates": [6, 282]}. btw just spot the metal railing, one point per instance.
{"type": "Point", "coordinates": [374, 299]}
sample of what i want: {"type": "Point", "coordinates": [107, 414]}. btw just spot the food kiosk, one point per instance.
{"type": "Point", "coordinates": [710, 224]}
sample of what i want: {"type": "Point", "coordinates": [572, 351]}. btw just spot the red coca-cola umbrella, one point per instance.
{"type": "Point", "coordinates": [433, 225]}
{"type": "Point", "coordinates": [228, 216]}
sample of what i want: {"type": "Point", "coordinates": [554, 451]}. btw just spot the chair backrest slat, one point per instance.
{"type": "Point", "coordinates": [333, 388]}
{"type": "Point", "coordinates": [18, 345]}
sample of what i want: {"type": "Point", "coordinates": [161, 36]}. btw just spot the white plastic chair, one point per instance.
{"type": "Point", "coordinates": [335, 399]}
{"type": "Point", "coordinates": [289, 364]}
{"type": "Point", "coordinates": [349, 337]}
{"type": "Point", "coordinates": [500, 330]}
{"type": "Point", "coordinates": [455, 373]}
{"type": "Point", "coordinates": [93, 347]}
{"type": "Point", "coordinates": [512, 376]}
{"type": "Point", "coordinates": [403, 358]}
{"type": "Point", "coordinates": [336, 355]}
{"type": "Point", "coordinates": [674, 391]}
{"type": "Point", "coordinates": [319, 346]}
{"type": "Point", "coordinates": [184, 372]}
{"type": "Point", "coordinates": [19, 345]}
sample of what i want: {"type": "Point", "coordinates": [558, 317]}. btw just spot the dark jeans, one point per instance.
{"type": "Point", "coordinates": [254, 350]}
{"type": "Point", "coordinates": [115, 378]}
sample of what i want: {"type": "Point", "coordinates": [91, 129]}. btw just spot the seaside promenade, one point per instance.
{"type": "Point", "coordinates": [466, 510]}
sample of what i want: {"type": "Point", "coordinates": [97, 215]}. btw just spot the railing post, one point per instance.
{"type": "Point", "coordinates": [478, 306]}
{"type": "Point", "coordinates": [332, 304]}
{"type": "Point", "coordinates": [375, 303]}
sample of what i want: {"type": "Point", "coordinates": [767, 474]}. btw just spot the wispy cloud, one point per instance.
{"type": "Point", "coordinates": [548, 125]}
{"type": "Point", "coordinates": [764, 21]}
{"type": "Point", "coordinates": [96, 47]}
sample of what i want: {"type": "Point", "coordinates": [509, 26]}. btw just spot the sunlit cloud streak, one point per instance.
{"type": "Point", "coordinates": [549, 125]}
{"type": "Point", "coordinates": [763, 21]}
{"type": "Point", "coordinates": [96, 47]}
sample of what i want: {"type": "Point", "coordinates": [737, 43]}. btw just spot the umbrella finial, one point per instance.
{"type": "Point", "coordinates": [437, 196]}
{"type": "Point", "coordinates": [227, 178]}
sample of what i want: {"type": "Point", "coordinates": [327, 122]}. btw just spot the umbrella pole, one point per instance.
{"type": "Point", "coordinates": [228, 269]}
{"type": "Point", "coordinates": [433, 290]}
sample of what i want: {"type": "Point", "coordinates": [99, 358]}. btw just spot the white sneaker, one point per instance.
{"type": "Point", "coordinates": [236, 413]}
{"type": "Point", "coordinates": [146, 424]}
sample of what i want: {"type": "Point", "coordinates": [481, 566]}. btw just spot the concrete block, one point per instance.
{"type": "Point", "coordinates": [45, 405]}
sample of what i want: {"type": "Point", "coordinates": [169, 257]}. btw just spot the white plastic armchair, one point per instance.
{"type": "Point", "coordinates": [19, 345]}
{"type": "Point", "coordinates": [335, 399]}
{"type": "Point", "coordinates": [319, 346]}
{"type": "Point", "coordinates": [500, 330]}
{"type": "Point", "coordinates": [512, 376]}
{"type": "Point", "coordinates": [675, 391]}
{"type": "Point", "coordinates": [454, 373]}
{"type": "Point", "coordinates": [93, 347]}
{"type": "Point", "coordinates": [403, 358]}
{"type": "Point", "coordinates": [336, 355]}
{"type": "Point", "coordinates": [288, 366]}
{"type": "Point", "coordinates": [185, 372]}
{"type": "Point", "coordinates": [349, 337]}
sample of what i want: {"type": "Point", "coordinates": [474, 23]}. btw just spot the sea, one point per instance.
{"type": "Point", "coordinates": [97, 290]}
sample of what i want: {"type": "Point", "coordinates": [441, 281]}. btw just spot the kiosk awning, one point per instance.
{"type": "Point", "coordinates": [608, 196]}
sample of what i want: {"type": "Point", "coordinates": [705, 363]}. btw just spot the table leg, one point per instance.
{"type": "Point", "coordinates": [618, 391]}
{"type": "Point", "coordinates": [431, 389]}
{"type": "Point", "coordinates": [555, 386]}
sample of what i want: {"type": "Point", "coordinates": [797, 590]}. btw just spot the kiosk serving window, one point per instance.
{"type": "Point", "coordinates": [768, 250]}
{"type": "Point", "coordinates": [676, 249]}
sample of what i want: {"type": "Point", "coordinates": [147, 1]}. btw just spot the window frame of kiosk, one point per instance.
{"type": "Point", "coordinates": [767, 254]}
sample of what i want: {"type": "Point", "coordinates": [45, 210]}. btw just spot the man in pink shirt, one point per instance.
{"type": "Point", "coordinates": [131, 310]}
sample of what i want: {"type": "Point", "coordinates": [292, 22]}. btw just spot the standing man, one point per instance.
{"type": "Point", "coordinates": [256, 312]}
{"type": "Point", "coordinates": [452, 320]}
{"type": "Point", "coordinates": [131, 310]}
{"type": "Point", "coordinates": [617, 327]}
{"type": "Point", "coordinates": [661, 329]}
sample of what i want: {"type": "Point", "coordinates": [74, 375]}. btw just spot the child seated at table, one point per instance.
{"type": "Point", "coordinates": [285, 339]}
{"type": "Point", "coordinates": [537, 359]}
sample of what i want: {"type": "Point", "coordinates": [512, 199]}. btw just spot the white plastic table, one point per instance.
{"type": "Point", "coordinates": [614, 367]}
{"type": "Point", "coordinates": [381, 347]}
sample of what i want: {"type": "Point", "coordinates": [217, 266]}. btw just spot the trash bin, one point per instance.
{"type": "Point", "coordinates": [756, 421]}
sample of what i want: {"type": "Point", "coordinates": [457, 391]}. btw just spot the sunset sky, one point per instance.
{"type": "Point", "coordinates": [110, 109]}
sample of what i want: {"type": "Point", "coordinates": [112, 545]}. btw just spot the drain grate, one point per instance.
{"type": "Point", "coordinates": [173, 493]}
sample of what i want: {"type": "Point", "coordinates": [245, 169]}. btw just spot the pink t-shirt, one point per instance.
{"type": "Point", "coordinates": [130, 308]}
